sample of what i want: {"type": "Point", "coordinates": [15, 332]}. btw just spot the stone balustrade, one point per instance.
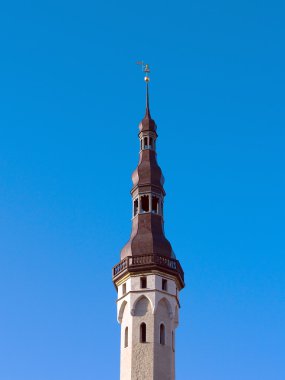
{"type": "Point", "coordinates": [148, 262]}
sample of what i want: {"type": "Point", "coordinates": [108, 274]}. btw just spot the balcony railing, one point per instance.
{"type": "Point", "coordinates": [137, 262]}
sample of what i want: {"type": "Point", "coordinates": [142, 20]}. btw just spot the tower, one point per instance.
{"type": "Point", "coordinates": [148, 277]}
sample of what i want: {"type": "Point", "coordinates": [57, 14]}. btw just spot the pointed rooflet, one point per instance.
{"type": "Point", "coordinates": [147, 124]}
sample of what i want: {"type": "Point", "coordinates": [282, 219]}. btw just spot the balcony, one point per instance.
{"type": "Point", "coordinates": [147, 262]}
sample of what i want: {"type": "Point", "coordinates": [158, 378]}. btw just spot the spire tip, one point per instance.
{"type": "Point", "coordinates": [146, 70]}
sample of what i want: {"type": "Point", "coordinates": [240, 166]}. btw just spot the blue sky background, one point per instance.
{"type": "Point", "coordinates": [71, 98]}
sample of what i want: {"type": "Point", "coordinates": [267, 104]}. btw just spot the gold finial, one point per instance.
{"type": "Point", "coordinates": [145, 69]}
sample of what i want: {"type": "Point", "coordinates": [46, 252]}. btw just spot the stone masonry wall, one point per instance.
{"type": "Point", "coordinates": [152, 306]}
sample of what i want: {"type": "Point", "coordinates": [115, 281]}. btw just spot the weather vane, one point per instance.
{"type": "Point", "coordinates": [145, 69]}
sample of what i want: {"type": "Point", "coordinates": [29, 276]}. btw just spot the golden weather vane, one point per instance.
{"type": "Point", "coordinates": [145, 69]}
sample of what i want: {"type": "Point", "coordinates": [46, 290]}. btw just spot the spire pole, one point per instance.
{"type": "Point", "coordinates": [147, 111]}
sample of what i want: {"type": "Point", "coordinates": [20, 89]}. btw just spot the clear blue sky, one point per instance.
{"type": "Point", "coordinates": [71, 98]}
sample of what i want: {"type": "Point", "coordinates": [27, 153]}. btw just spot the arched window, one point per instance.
{"type": "Point", "coordinates": [154, 204]}
{"type": "Point", "coordinates": [150, 143]}
{"type": "Point", "coordinates": [162, 334]}
{"type": "Point", "coordinates": [145, 203]}
{"type": "Point", "coordinates": [143, 333]}
{"type": "Point", "coordinates": [136, 207]}
{"type": "Point", "coordinates": [145, 145]}
{"type": "Point", "coordinates": [173, 343]}
{"type": "Point", "coordinates": [126, 337]}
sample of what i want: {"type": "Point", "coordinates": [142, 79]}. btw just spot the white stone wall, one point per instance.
{"type": "Point", "coordinates": [152, 306]}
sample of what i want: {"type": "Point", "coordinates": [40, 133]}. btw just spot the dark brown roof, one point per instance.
{"type": "Point", "coordinates": [148, 171]}
{"type": "Point", "coordinates": [147, 124]}
{"type": "Point", "coordinates": [147, 237]}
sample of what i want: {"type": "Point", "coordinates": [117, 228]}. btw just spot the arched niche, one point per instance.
{"type": "Point", "coordinates": [142, 306]}
{"type": "Point", "coordinates": [164, 304]}
{"type": "Point", "coordinates": [176, 317]}
{"type": "Point", "coordinates": [121, 311]}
